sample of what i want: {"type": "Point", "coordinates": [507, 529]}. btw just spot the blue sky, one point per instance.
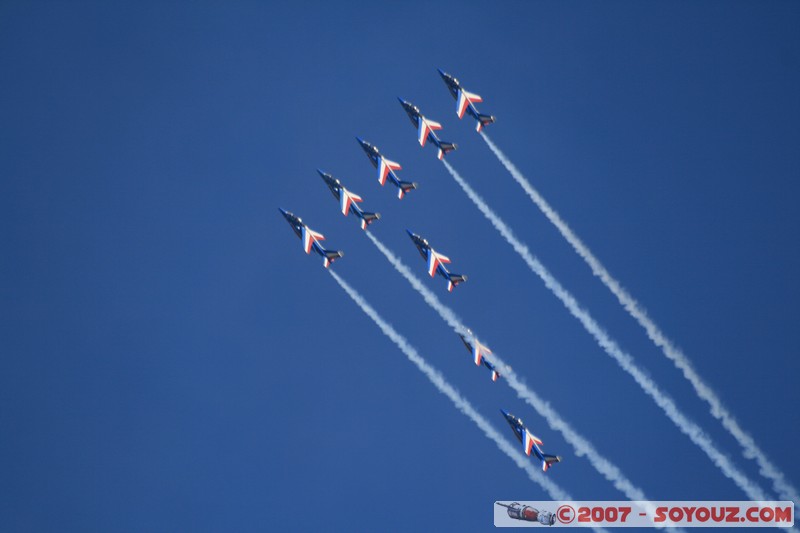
{"type": "Point", "coordinates": [171, 360]}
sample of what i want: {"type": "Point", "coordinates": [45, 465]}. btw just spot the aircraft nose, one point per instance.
{"type": "Point", "coordinates": [321, 173]}
{"type": "Point", "coordinates": [360, 140]}
{"type": "Point", "coordinates": [505, 413]}
{"type": "Point", "coordinates": [441, 72]}
{"type": "Point", "coordinates": [410, 234]}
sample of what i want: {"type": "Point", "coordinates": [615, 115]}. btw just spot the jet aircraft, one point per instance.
{"type": "Point", "coordinates": [530, 442]}
{"type": "Point", "coordinates": [426, 129]}
{"type": "Point", "coordinates": [527, 513]}
{"type": "Point", "coordinates": [311, 239]}
{"type": "Point", "coordinates": [478, 351]}
{"type": "Point", "coordinates": [386, 168]}
{"type": "Point", "coordinates": [465, 101]}
{"type": "Point", "coordinates": [348, 200]}
{"type": "Point", "coordinates": [436, 261]}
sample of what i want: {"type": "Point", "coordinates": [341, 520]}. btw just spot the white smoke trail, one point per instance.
{"type": "Point", "coordinates": [687, 426]}
{"type": "Point", "coordinates": [579, 443]}
{"type": "Point", "coordinates": [750, 449]}
{"type": "Point", "coordinates": [522, 461]}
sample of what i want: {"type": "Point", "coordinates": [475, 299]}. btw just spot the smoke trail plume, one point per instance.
{"type": "Point", "coordinates": [555, 492]}
{"type": "Point", "coordinates": [718, 410]}
{"type": "Point", "coordinates": [687, 426]}
{"type": "Point", "coordinates": [580, 444]}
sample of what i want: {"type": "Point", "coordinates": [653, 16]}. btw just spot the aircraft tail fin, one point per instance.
{"type": "Point", "coordinates": [369, 218]}
{"type": "Point", "coordinates": [331, 256]}
{"type": "Point", "coordinates": [483, 120]}
{"type": "Point", "coordinates": [548, 460]}
{"type": "Point", "coordinates": [445, 148]}
{"type": "Point", "coordinates": [404, 187]}
{"type": "Point", "coordinates": [455, 279]}
{"type": "Point", "coordinates": [495, 375]}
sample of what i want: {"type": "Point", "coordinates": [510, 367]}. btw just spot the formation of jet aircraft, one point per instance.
{"type": "Point", "coordinates": [436, 262]}
{"type": "Point", "coordinates": [478, 352]}
{"type": "Point", "coordinates": [530, 443]}
{"type": "Point", "coordinates": [348, 201]}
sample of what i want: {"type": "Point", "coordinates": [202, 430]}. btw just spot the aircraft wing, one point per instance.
{"type": "Point", "coordinates": [530, 440]}
{"type": "Point", "coordinates": [434, 260]}
{"type": "Point", "coordinates": [384, 167]}
{"type": "Point", "coordinates": [464, 100]}
{"type": "Point", "coordinates": [310, 237]}
{"type": "Point", "coordinates": [347, 198]}
{"type": "Point", "coordinates": [425, 127]}
{"type": "Point", "coordinates": [478, 352]}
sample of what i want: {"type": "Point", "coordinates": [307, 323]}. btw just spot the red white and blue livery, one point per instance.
{"type": "Point", "coordinates": [311, 239]}
{"type": "Point", "coordinates": [527, 513]}
{"type": "Point", "coordinates": [386, 169]}
{"type": "Point", "coordinates": [348, 200]}
{"type": "Point", "coordinates": [479, 352]}
{"type": "Point", "coordinates": [426, 128]}
{"type": "Point", "coordinates": [530, 442]}
{"type": "Point", "coordinates": [436, 262]}
{"type": "Point", "coordinates": [465, 101]}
